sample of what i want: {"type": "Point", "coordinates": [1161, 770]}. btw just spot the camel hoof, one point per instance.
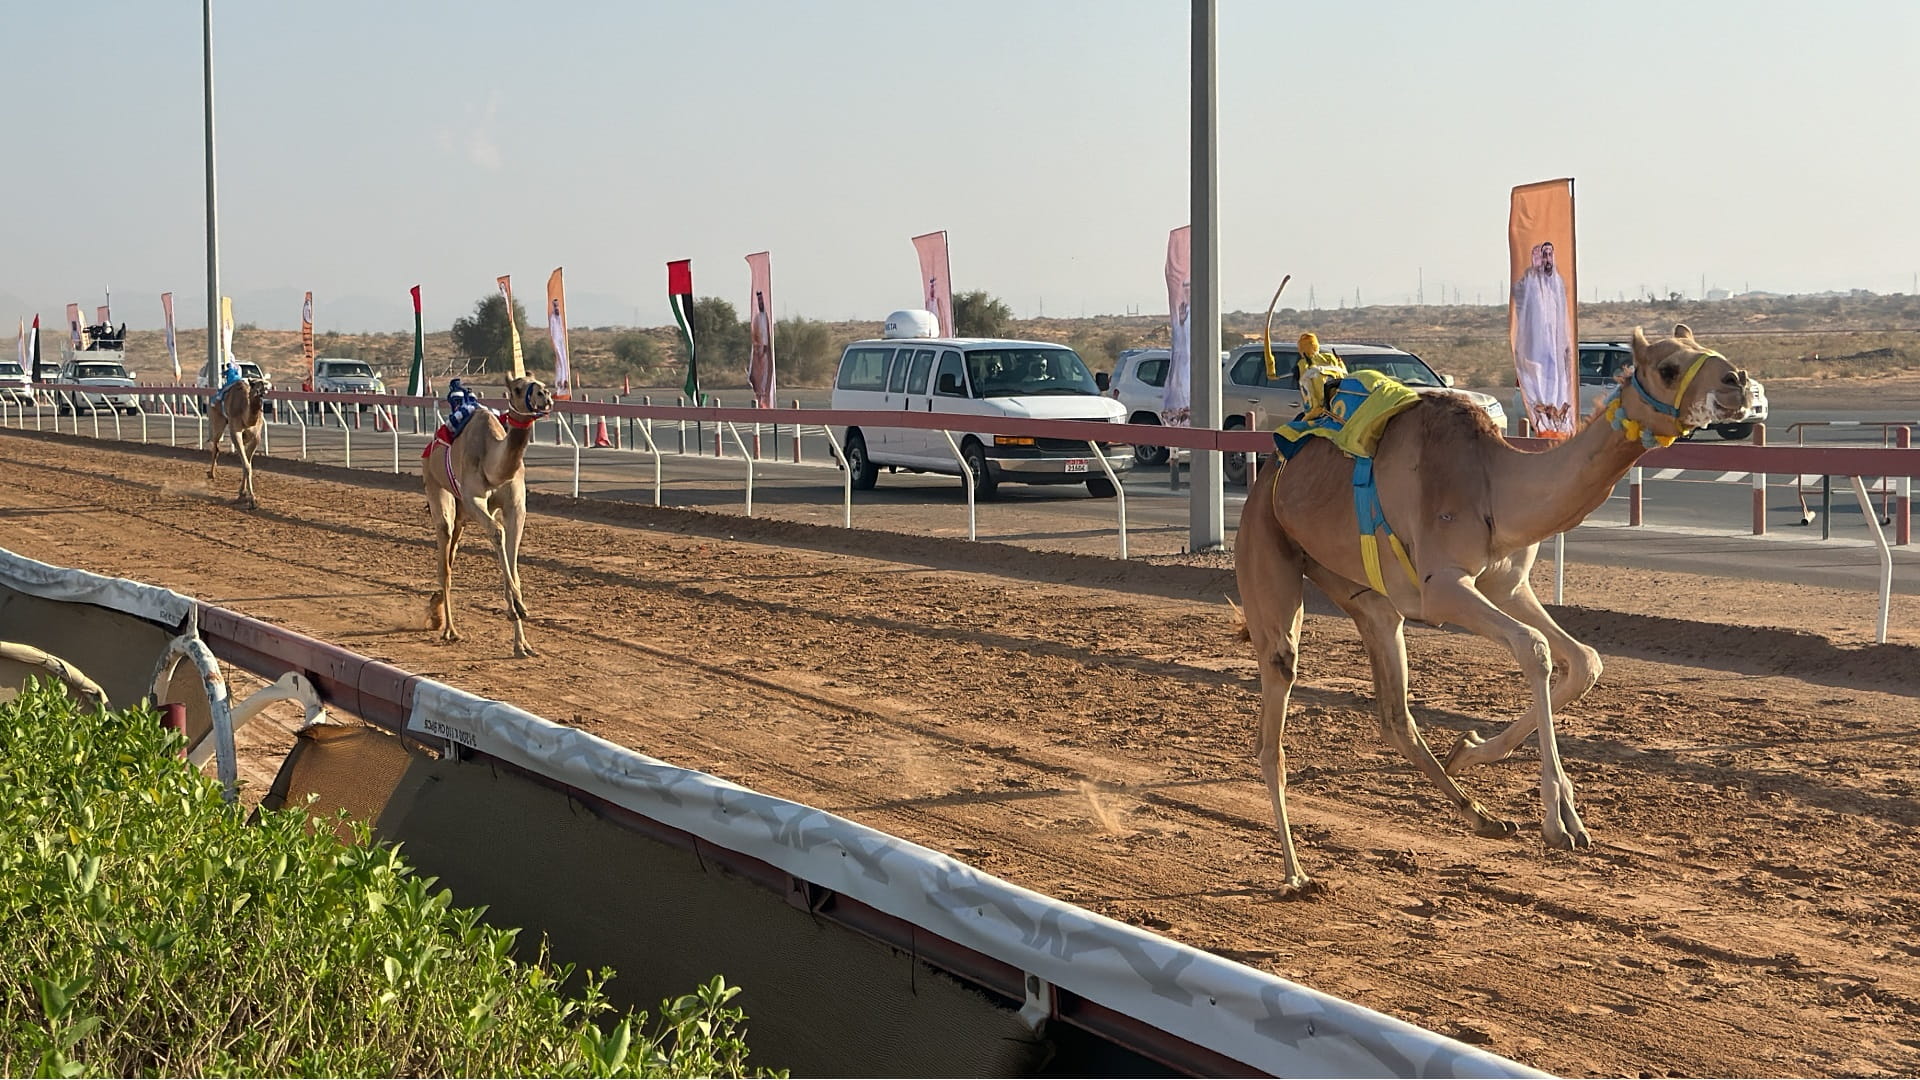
{"type": "Point", "coordinates": [449, 636]}
{"type": "Point", "coordinates": [1302, 887]}
{"type": "Point", "coordinates": [1495, 828]}
{"type": "Point", "coordinates": [1466, 744]}
{"type": "Point", "coordinates": [524, 652]}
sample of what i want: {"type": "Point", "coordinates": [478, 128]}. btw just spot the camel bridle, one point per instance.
{"type": "Point", "coordinates": [1634, 430]}
{"type": "Point", "coordinates": [525, 416]}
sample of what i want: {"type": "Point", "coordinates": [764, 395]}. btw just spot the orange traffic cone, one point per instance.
{"type": "Point", "coordinates": [600, 434]}
{"type": "Point", "coordinates": [626, 385]}
{"type": "Point", "coordinates": [380, 420]}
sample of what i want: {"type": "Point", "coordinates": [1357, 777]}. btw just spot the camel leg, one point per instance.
{"type": "Point", "coordinates": [1582, 665]}
{"type": "Point", "coordinates": [513, 518]}
{"type": "Point", "coordinates": [1450, 597]}
{"type": "Point", "coordinates": [245, 441]}
{"type": "Point", "coordinates": [497, 534]}
{"type": "Point", "coordinates": [446, 527]}
{"type": "Point", "coordinates": [1269, 568]}
{"type": "Point", "coordinates": [1382, 631]}
{"type": "Point", "coordinates": [216, 429]}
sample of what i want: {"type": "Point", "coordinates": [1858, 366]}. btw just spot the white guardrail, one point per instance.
{"type": "Point", "coordinates": [303, 410]}
{"type": "Point", "coordinates": [1182, 1006]}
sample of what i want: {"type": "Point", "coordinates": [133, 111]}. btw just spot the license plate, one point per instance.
{"type": "Point", "coordinates": [1077, 465]}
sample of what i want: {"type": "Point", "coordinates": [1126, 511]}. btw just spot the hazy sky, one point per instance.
{"type": "Point", "coordinates": [365, 147]}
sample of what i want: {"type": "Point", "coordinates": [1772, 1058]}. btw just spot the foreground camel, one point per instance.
{"type": "Point", "coordinates": [239, 415]}
{"type": "Point", "coordinates": [1471, 511]}
{"type": "Point", "coordinates": [481, 477]}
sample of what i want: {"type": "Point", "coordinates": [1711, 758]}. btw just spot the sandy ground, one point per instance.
{"type": "Point", "coordinates": [1085, 729]}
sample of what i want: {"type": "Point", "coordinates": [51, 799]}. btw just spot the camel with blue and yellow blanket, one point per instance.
{"type": "Point", "coordinates": [1413, 506]}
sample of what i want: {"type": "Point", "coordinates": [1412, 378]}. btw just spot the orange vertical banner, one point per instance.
{"type": "Point", "coordinates": [557, 330]}
{"type": "Point", "coordinates": [306, 334]}
{"type": "Point", "coordinates": [760, 329]}
{"type": "Point", "coordinates": [1542, 315]}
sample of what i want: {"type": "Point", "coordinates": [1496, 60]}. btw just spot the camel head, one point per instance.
{"type": "Point", "coordinates": [528, 398]}
{"type": "Point", "coordinates": [1678, 385]}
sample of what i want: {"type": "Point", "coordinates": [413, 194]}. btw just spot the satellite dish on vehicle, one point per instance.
{"type": "Point", "coordinates": [912, 323]}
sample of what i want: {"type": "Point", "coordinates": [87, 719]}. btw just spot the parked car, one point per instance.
{"type": "Point", "coordinates": [1139, 382]}
{"type": "Point", "coordinates": [1601, 363]}
{"type": "Point", "coordinates": [909, 370]}
{"type": "Point", "coordinates": [345, 375]}
{"type": "Point", "coordinates": [15, 386]}
{"type": "Point", "coordinates": [1246, 391]}
{"type": "Point", "coordinates": [96, 372]}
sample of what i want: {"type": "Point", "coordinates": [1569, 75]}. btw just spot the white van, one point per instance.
{"type": "Point", "coordinates": [910, 369]}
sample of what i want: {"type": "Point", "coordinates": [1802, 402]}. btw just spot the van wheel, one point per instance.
{"type": "Point", "coordinates": [984, 485]}
{"type": "Point", "coordinates": [1234, 465]}
{"type": "Point", "coordinates": [865, 472]}
{"type": "Point", "coordinates": [1148, 457]}
{"type": "Point", "coordinates": [1100, 487]}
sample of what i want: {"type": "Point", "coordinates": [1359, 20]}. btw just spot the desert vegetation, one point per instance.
{"type": "Point", "coordinates": [154, 931]}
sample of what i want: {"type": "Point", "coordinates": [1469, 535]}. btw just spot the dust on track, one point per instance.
{"type": "Point", "coordinates": [1084, 728]}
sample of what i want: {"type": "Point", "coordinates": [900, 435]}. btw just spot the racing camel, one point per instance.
{"type": "Point", "coordinates": [240, 416]}
{"type": "Point", "coordinates": [1470, 510]}
{"type": "Point", "coordinates": [479, 475]}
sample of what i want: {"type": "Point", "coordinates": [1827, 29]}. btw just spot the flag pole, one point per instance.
{"type": "Point", "coordinates": [213, 241]}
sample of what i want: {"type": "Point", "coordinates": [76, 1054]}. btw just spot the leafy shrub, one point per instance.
{"type": "Point", "coordinates": [152, 931]}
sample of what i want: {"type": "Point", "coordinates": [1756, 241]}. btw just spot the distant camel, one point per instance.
{"type": "Point", "coordinates": [1470, 511]}
{"type": "Point", "coordinates": [240, 416]}
{"type": "Point", "coordinates": [480, 475]}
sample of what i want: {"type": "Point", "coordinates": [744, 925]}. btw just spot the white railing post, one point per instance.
{"type": "Point", "coordinates": [845, 470]}
{"type": "Point", "coordinates": [735, 432]}
{"type": "Point", "coordinates": [646, 431]}
{"type": "Point", "coordinates": [1886, 557]}
{"type": "Point", "coordinates": [966, 473]}
{"type": "Point", "coordinates": [1119, 492]}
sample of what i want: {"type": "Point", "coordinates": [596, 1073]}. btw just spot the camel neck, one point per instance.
{"type": "Point", "coordinates": [1550, 492]}
{"type": "Point", "coordinates": [504, 456]}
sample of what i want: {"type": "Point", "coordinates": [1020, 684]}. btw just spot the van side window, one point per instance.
{"type": "Point", "coordinates": [917, 375]}
{"type": "Point", "coordinates": [864, 369]}
{"type": "Point", "coordinates": [897, 380]}
{"type": "Point", "coordinates": [1154, 372]}
{"type": "Point", "coordinates": [950, 366]}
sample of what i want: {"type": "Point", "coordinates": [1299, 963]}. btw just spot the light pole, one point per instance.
{"type": "Point", "coordinates": [213, 237]}
{"type": "Point", "coordinates": [1207, 518]}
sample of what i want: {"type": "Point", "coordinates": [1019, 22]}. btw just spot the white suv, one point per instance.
{"type": "Point", "coordinates": [345, 375]}
{"type": "Point", "coordinates": [1139, 382]}
{"type": "Point", "coordinates": [14, 384]}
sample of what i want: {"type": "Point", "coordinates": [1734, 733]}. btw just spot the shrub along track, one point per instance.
{"type": "Point", "coordinates": [1747, 909]}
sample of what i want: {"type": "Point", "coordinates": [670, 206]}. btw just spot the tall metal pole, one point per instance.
{"type": "Point", "coordinates": [1207, 517]}
{"type": "Point", "coordinates": [213, 240]}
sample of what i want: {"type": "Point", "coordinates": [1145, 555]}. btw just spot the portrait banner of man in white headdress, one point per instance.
{"type": "Point", "coordinates": [1542, 319]}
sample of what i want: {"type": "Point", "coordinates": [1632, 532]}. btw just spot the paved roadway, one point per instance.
{"type": "Point", "coordinates": [1693, 523]}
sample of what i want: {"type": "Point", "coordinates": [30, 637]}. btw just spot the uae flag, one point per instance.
{"type": "Point", "coordinates": [417, 378]}
{"type": "Point", "coordinates": [680, 297]}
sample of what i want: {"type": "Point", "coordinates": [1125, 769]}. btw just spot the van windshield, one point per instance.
{"type": "Point", "coordinates": [348, 369]}
{"type": "Point", "coordinates": [99, 371]}
{"type": "Point", "coordinates": [1028, 372]}
{"type": "Point", "coordinates": [8, 367]}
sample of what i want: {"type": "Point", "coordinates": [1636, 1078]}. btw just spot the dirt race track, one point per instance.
{"type": "Point", "coordinates": [1085, 728]}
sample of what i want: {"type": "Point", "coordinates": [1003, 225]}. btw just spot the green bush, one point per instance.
{"type": "Point", "coordinates": [151, 930]}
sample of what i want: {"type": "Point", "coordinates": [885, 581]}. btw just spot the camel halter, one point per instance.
{"type": "Point", "coordinates": [532, 415]}
{"type": "Point", "coordinates": [1634, 430]}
